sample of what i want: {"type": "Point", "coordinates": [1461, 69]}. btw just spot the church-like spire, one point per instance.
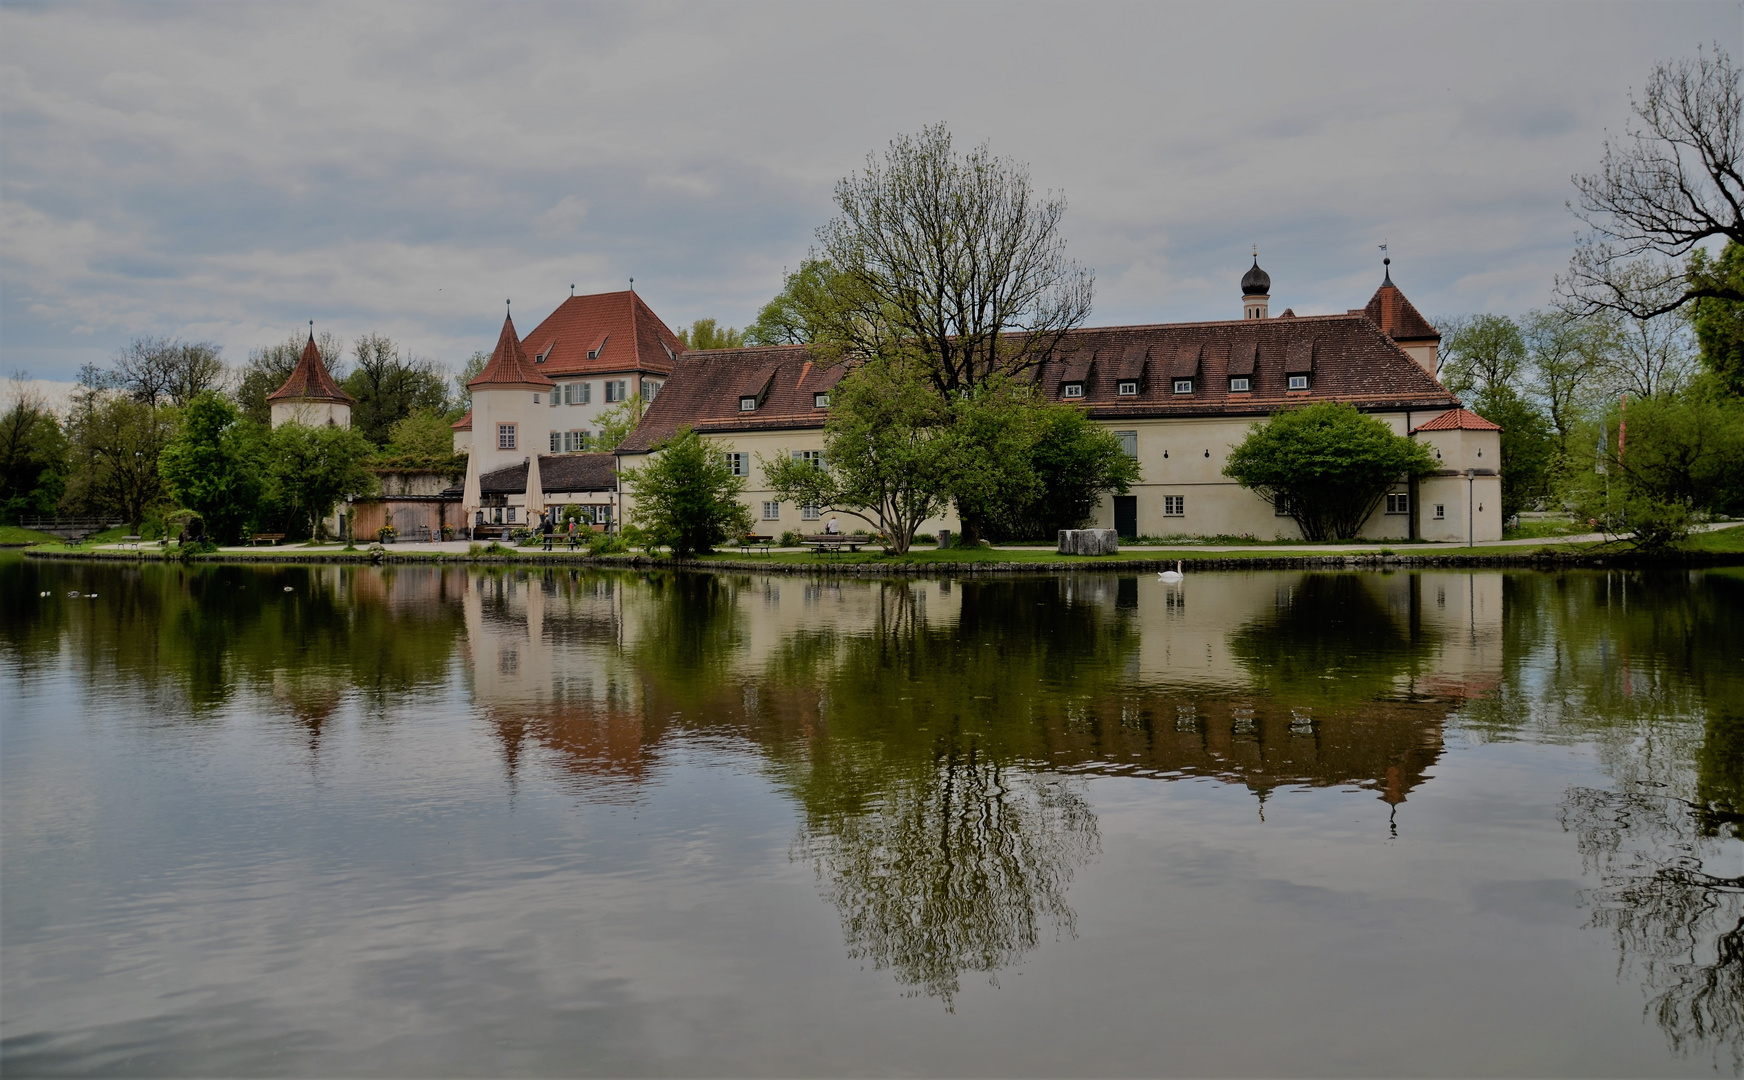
{"type": "Point", "coordinates": [310, 380]}
{"type": "Point", "coordinates": [508, 364]}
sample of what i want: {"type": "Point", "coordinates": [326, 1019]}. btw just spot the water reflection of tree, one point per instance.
{"type": "Point", "coordinates": [1332, 640]}
{"type": "Point", "coordinates": [1680, 926]}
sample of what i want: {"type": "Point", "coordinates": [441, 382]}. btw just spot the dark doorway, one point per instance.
{"type": "Point", "coordinates": [1126, 515]}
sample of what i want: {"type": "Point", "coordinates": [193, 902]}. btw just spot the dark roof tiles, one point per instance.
{"type": "Point", "coordinates": [310, 380]}
{"type": "Point", "coordinates": [557, 473]}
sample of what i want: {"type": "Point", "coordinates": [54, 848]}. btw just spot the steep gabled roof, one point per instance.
{"type": "Point", "coordinates": [603, 333]}
{"type": "Point", "coordinates": [1460, 419]}
{"type": "Point", "coordinates": [1390, 311]}
{"type": "Point", "coordinates": [1351, 360]}
{"type": "Point", "coordinates": [310, 381]}
{"type": "Point", "coordinates": [509, 365]}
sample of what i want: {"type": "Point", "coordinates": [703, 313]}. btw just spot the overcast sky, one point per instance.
{"type": "Point", "coordinates": [229, 171]}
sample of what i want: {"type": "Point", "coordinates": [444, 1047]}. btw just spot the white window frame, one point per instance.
{"type": "Point", "coordinates": [810, 512]}
{"type": "Point", "coordinates": [535, 397]}
{"type": "Point", "coordinates": [506, 436]}
{"type": "Point", "coordinates": [815, 457]}
{"type": "Point", "coordinates": [1440, 512]}
{"type": "Point", "coordinates": [1240, 384]}
{"type": "Point", "coordinates": [820, 401]}
{"type": "Point", "coordinates": [1298, 382]}
{"type": "Point", "coordinates": [617, 390]}
{"type": "Point", "coordinates": [1128, 442]}
{"type": "Point", "coordinates": [1073, 390]}
{"type": "Point", "coordinates": [737, 462]}
{"type": "Point", "coordinates": [747, 403]}
{"type": "Point", "coordinates": [771, 510]}
{"type": "Point", "coordinates": [1126, 388]}
{"type": "Point", "coordinates": [1174, 506]}
{"type": "Point", "coordinates": [557, 442]}
{"type": "Point", "coordinates": [1183, 386]}
{"type": "Point", "coordinates": [511, 515]}
{"type": "Point", "coordinates": [650, 389]}
{"type": "Point", "coordinates": [1398, 502]}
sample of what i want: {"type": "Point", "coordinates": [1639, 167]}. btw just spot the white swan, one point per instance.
{"type": "Point", "coordinates": [1170, 576]}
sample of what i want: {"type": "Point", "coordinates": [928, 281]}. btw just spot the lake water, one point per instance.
{"type": "Point", "coordinates": [420, 821]}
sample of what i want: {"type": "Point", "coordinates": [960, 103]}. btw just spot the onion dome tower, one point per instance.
{"type": "Point", "coordinates": [1256, 290]}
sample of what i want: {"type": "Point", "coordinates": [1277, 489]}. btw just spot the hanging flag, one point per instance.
{"type": "Point", "coordinates": [1599, 454]}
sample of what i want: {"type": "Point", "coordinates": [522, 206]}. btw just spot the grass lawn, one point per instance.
{"type": "Point", "coordinates": [13, 535]}
{"type": "Point", "coordinates": [1727, 539]}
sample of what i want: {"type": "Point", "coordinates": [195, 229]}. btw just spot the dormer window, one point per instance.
{"type": "Point", "coordinates": [1240, 384]}
{"type": "Point", "coordinates": [1183, 386]}
{"type": "Point", "coordinates": [747, 404]}
{"type": "Point", "coordinates": [1128, 388]}
{"type": "Point", "coordinates": [1298, 382]}
{"type": "Point", "coordinates": [1073, 390]}
{"type": "Point", "coordinates": [820, 401]}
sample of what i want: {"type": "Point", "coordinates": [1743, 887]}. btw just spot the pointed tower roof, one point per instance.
{"type": "Point", "coordinates": [310, 381]}
{"type": "Point", "coordinates": [509, 365]}
{"type": "Point", "coordinates": [1389, 310]}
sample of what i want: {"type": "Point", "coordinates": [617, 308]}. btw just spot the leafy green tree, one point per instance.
{"type": "Point", "coordinates": [312, 469]}
{"type": "Point", "coordinates": [1484, 351]}
{"type": "Point", "coordinates": [469, 371]}
{"type": "Point", "coordinates": [1528, 446]}
{"type": "Point", "coordinates": [1327, 465]}
{"type": "Point", "coordinates": [214, 465]}
{"type": "Point", "coordinates": [115, 442]}
{"type": "Point", "coordinates": [612, 426]}
{"type": "Point", "coordinates": [33, 457]}
{"type": "Point", "coordinates": [1566, 358]}
{"type": "Point", "coordinates": [1075, 463]}
{"type": "Point", "coordinates": [1681, 455]}
{"type": "Point", "coordinates": [994, 425]}
{"type": "Point", "coordinates": [816, 304]}
{"type": "Point", "coordinates": [704, 334]}
{"type": "Point", "coordinates": [389, 387]}
{"type": "Point", "coordinates": [1719, 323]}
{"type": "Point", "coordinates": [266, 369]}
{"type": "Point", "coordinates": [423, 440]}
{"type": "Point", "coordinates": [687, 498]}
{"type": "Point", "coordinates": [890, 453]}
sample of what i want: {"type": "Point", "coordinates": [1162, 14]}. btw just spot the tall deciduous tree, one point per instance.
{"type": "Point", "coordinates": [889, 454]}
{"type": "Point", "coordinates": [115, 444]}
{"type": "Point", "coordinates": [687, 498]}
{"type": "Point", "coordinates": [33, 456]}
{"type": "Point", "coordinates": [954, 260]}
{"type": "Point", "coordinates": [311, 469]}
{"type": "Point", "coordinates": [389, 387]}
{"type": "Point", "coordinates": [1567, 358]}
{"type": "Point", "coordinates": [1076, 463]}
{"type": "Point", "coordinates": [1671, 182]}
{"type": "Point", "coordinates": [163, 371]}
{"type": "Point", "coordinates": [1326, 465]}
{"type": "Point", "coordinates": [1719, 323]}
{"type": "Point", "coordinates": [1527, 449]}
{"type": "Point", "coordinates": [213, 465]}
{"type": "Point", "coordinates": [1483, 351]}
{"type": "Point", "coordinates": [817, 303]}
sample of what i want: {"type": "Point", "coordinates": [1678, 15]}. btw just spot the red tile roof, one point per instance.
{"type": "Point", "coordinates": [603, 333]}
{"type": "Point", "coordinates": [1390, 311]}
{"type": "Point", "coordinates": [1457, 420]}
{"type": "Point", "coordinates": [310, 381]}
{"type": "Point", "coordinates": [509, 365]}
{"type": "Point", "coordinates": [1351, 360]}
{"type": "Point", "coordinates": [464, 423]}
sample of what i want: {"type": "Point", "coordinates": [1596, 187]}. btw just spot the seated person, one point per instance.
{"type": "Point", "coordinates": [831, 528]}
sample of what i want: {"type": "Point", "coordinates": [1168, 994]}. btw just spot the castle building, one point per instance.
{"type": "Point", "coordinates": [1180, 396]}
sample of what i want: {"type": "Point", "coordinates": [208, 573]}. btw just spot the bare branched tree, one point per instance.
{"type": "Point", "coordinates": [954, 260]}
{"type": "Point", "coordinates": [163, 371]}
{"type": "Point", "coordinates": [1669, 184]}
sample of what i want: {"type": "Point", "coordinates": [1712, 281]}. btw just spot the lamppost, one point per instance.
{"type": "Point", "coordinates": [1470, 502]}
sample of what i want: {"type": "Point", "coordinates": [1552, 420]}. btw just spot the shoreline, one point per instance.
{"type": "Point", "coordinates": [1547, 558]}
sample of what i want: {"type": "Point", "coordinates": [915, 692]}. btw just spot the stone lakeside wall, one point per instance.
{"type": "Point", "coordinates": [824, 567]}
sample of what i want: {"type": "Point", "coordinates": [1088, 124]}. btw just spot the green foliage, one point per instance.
{"type": "Point", "coordinates": [1682, 455]}
{"type": "Point", "coordinates": [704, 334]}
{"type": "Point", "coordinates": [790, 538]}
{"type": "Point", "coordinates": [687, 498]}
{"type": "Point", "coordinates": [469, 371]}
{"type": "Point", "coordinates": [990, 476]}
{"type": "Point", "coordinates": [1327, 465]}
{"type": "Point", "coordinates": [1528, 446]}
{"type": "Point", "coordinates": [889, 454]}
{"type": "Point", "coordinates": [310, 470]}
{"type": "Point", "coordinates": [1483, 352]}
{"type": "Point", "coordinates": [612, 426]}
{"type": "Point", "coordinates": [423, 441]}
{"type": "Point", "coordinates": [1075, 463]}
{"type": "Point", "coordinates": [213, 466]}
{"type": "Point", "coordinates": [815, 304]}
{"type": "Point", "coordinates": [389, 387]}
{"type": "Point", "coordinates": [1719, 323]}
{"type": "Point", "coordinates": [115, 442]}
{"type": "Point", "coordinates": [33, 459]}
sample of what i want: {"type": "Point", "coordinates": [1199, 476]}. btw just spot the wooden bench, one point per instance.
{"type": "Point", "coordinates": [753, 540]}
{"type": "Point", "coordinates": [130, 541]}
{"type": "Point", "coordinates": [835, 542]}
{"type": "Point", "coordinates": [271, 538]}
